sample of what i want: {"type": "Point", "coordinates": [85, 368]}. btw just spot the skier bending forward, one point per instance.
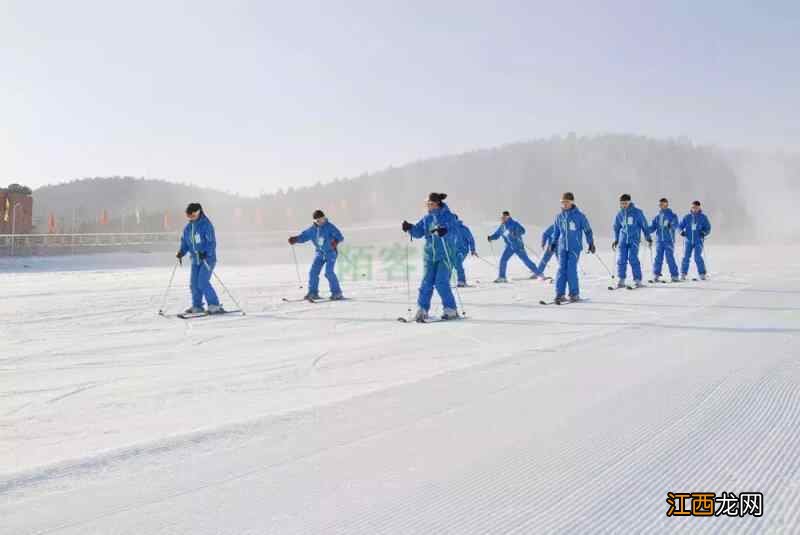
{"type": "Point", "coordinates": [440, 251]}
{"type": "Point", "coordinates": [199, 241]}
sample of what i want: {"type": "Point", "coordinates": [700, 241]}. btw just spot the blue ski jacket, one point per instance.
{"type": "Point", "coordinates": [629, 225]}
{"type": "Point", "coordinates": [664, 226]}
{"type": "Point", "coordinates": [465, 241]}
{"type": "Point", "coordinates": [696, 226]}
{"type": "Point", "coordinates": [326, 238]}
{"type": "Point", "coordinates": [569, 229]}
{"type": "Point", "coordinates": [512, 233]}
{"type": "Point", "coordinates": [198, 237]}
{"type": "Point", "coordinates": [434, 245]}
{"type": "Point", "coordinates": [547, 236]}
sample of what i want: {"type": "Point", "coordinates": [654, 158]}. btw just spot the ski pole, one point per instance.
{"type": "Point", "coordinates": [164, 301]}
{"type": "Point", "coordinates": [450, 264]}
{"type": "Point", "coordinates": [482, 259]}
{"type": "Point", "coordinates": [235, 302]}
{"type": "Point", "coordinates": [604, 265]}
{"type": "Point", "coordinates": [297, 267]}
{"type": "Point", "coordinates": [408, 279]}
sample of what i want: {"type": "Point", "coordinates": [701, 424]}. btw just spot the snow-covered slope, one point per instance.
{"type": "Point", "coordinates": [336, 418]}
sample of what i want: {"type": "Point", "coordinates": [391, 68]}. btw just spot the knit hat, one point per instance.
{"type": "Point", "coordinates": [624, 197]}
{"type": "Point", "coordinates": [437, 197]}
{"type": "Point", "coordinates": [317, 214]}
{"type": "Point", "coordinates": [568, 196]}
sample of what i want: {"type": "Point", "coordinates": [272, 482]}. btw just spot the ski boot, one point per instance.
{"type": "Point", "coordinates": [461, 285]}
{"type": "Point", "coordinates": [560, 300]}
{"type": "Point", "coordinates": [194, 310]}
{"type": "Point", "coordinates": [703, 277]}
{"type": "Point", "coordinates": [337, 297]}
{"type": "Point", "coordinates": [311, 296]}
{"type": "Point", "coordinates": [501, 280]}
{"type": "Point", "coordinates": [638, 284]}
{"type": "Point", "coordinates": [574, 298]}
{"type": "Point", "coordinates": [657, 278]}
{"type": "Point", "coordinates": [621, 283]}
{"type": "Point", "coordinates": [683, 277]}
{"type": "Point", "coordinates": [450, 314]}
{"type": "Point", "coordinates": [215, 309]}
{"type": "Point", "coordinates": [421, 316]}
{"type": "Point", "coordinates": [676, 279]}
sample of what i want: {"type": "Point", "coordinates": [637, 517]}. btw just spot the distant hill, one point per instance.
{"type": "Point", "coordinates": [526, 178]}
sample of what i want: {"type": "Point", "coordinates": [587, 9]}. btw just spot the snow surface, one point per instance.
{"type": "Point", "coordinates": [336, 418]}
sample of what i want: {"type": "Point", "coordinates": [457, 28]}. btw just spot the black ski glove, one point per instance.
{"type": "Point", "coordinates": [553, 247]}
{"type": "Point", "coordinates": [440, 231]}
{"type": "Point", "coordinates": [650, 243]}
{"type": "Point", "coordinates": [179, 256]}
{"type": "Point", "coordinates": [488, 238]}
{"type": "Point", "coordinates": [407, 226]}
{"type": "Point", "coordinates": [614, 245]}
{"type": "Point", "coordinates": [592, 248]}
{"type": "Point", "coordinates": [292, 240]}
{"type": "Point", "coordinates": [474, 253]}
{"type": "Point", "coordinates": [683, 233]}
{"type": "Point", "coordinates": [202, 255]}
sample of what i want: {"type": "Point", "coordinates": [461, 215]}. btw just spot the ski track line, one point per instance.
{"type": "Point", "coordinates": [679, 455]}
{"type": "Point", "coordinates": [491, 496]}
{"type": "Point", "coordinates": [539, 526]}
{"type": "Point", "coordinates": [489, 478]}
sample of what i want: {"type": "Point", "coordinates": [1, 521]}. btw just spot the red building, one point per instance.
{"type": "Point", "coordinates": [23, 222]}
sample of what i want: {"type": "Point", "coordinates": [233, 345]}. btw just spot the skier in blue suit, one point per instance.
{"type": "Point", "coordinates": [439, 228]}
{"type": "Point", "coordinates": [326, 238]}
{"type": "Point", "coordinates": [629, 224]}
{"type": "Point", "coordinates": [199, 241]}
{"type": "Point", "coordinates": [465, 245]}
{"type": "Point", "coordinates": [547, 239]}
{"type": "Point", "coordinates": [663, 226]}
{"type": "Point", "coordinates": [511, 232]}
{"type": "Point", "coordinates": [568, 230]}
{"type": "Point", "coordinates": [695, 226]}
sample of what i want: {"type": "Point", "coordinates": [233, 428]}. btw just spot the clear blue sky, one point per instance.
{"type": "Point", "coordinates": [252, 96]}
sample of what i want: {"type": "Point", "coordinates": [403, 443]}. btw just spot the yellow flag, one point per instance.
{"type": "Point", "coordinates": [8, 209]}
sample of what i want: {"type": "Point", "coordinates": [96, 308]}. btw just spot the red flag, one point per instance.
{"type": "Point", "coordinates": [166, 220]}
{"type": "Point", "coordinates": [104, 217]}
{"type": "Point", "coordinates": [51, 223]}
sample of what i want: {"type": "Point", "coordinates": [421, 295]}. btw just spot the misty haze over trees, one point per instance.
{"type": "Point", "coordinates": [740, 189]}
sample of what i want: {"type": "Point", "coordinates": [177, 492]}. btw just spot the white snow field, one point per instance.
{"type": "Point", "coordinates": [336, 418]}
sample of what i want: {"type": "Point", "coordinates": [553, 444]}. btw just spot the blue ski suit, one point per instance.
{"type": "Point", "coordinates": [695, 228]}
{"type": "Point", "coordinates": [512, 232]}
{"type": "Point", "coordinates": [568, 230]}
{"type": "Point", "coordinates": [198, 239]}
{"type": "Point", "coordinates": [664, 226]}
{"type": "Point", "coordinates": [326, 238]}
{"type": "Point", "coordinates": [629, 225]}
{"type": "Point", "coordinates": [547, 239]}
{"type": "Point", "coordinates": [465, 244]}
{"type": "Point", "coordinates": [438, 256]}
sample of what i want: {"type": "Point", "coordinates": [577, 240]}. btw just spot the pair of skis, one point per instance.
{"type": "Point", "coordinates": [195, 315]}
{"type": "Point", "coordinates": [310, 300]}
{"type": "Point", "coordinates": [402, 319]}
